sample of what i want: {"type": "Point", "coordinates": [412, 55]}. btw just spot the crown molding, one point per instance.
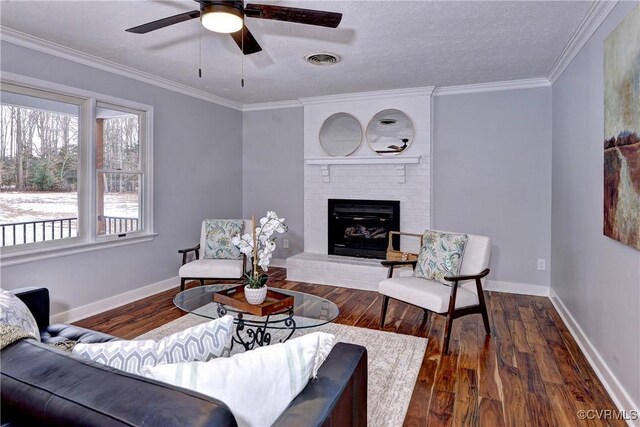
{"type": "Point", "coordinates": [21, 39]}
{"type": "Point", "coordinates": [492, 86]}
{"type": "Point", "coordinates": [275, 105]}
{"type": "Point", "coordinates": [365, 96]}
{"type": "Point", "coordinates": [596, 15]}
{"type": "Point", "coordinates": [425, 91]}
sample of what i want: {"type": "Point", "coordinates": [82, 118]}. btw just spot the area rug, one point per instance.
{"type": "Point", "coordinates": [394, 361]}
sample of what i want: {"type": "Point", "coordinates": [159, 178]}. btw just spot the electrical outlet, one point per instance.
{"type": "Point", "coordinates": [541, 264]}
{"type": "Point", "coordinates": [285, 243]}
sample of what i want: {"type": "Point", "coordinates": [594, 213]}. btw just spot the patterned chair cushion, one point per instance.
{"type": "Point", "coordinates": [198, 343]}
{"type": "Point", "coordinates": [218, 235]}
{"type": "Point", "coordinates": [14, 312]}
{"type": "Point", "coordinates": [440, 255]}
{"type": "Point", "coordinates": [256, 385]}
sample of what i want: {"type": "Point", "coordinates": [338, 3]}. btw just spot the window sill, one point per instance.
{"type": "Point", "coordinates": [23, 257]}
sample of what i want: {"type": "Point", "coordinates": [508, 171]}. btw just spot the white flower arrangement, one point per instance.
{"type": "Point", "coordinates": [261, 253]}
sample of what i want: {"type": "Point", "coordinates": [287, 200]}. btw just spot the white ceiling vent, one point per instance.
{"type": "Point", "coordinates": [322, 58]}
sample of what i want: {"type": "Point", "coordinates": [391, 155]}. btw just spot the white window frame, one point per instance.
{"type": "Point", "coordinates": [87, 238]}
{"type": "Point", "coordinates": [142, 120]}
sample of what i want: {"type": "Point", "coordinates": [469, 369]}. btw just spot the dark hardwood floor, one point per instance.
{"type": "Point", "coordinates": [530, 372]}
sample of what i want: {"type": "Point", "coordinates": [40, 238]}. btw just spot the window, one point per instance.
{"type": "Point", "coordinates": [118, 168]}
{"type": "Point", "coordinates": [38, 167]}
{"type": "Point", "coordinates": [74, 169]}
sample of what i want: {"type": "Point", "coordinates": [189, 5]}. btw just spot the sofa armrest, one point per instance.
{"type": "Point", "coordinates": [63, 332]}
{"type": "Point", "coordinates": [44, 386]}
{"type": "Point", "coordinates": [37, 301]}
{"type": "Point", "coordinates": [338, 397]}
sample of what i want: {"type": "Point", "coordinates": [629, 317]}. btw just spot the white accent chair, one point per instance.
{"type": "Point", "coordinates": [464, 296]}
{"type": "Point", "coordinates": [210, 269]}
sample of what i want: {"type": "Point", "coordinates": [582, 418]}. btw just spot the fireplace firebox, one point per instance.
{"type": "Point", "coordinates": [360, 228]}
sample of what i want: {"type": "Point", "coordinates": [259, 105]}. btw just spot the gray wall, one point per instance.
{"type": "Point", "coordinates": [492, 176]}
{"type": "Point", "coordinates": [596, 278]}
{"type": "Point", "coordinates": [197, 174]}
{"type": "Point", "coordinates": [273, 165]}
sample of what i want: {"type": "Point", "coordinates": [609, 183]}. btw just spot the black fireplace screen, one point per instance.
{"type": "Point", "coordinates": [361, 228]}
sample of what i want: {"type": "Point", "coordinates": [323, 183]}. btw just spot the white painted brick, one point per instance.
{"type": "Point", "coordinates": [377, 182]}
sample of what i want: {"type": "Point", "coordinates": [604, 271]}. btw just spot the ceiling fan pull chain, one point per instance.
{"type": "Point", "coordinates": [242, 57]}
{"type": "Point", "coordinates": [200, 53]}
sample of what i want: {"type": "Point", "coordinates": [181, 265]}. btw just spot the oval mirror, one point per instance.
{"type": "Point", "coordinates": [341, 134]}
{"type": "Point", "coordinates": [390, 132]}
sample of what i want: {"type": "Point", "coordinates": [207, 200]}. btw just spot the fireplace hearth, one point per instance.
{"type": "Point", "coordinates": [360, 228]}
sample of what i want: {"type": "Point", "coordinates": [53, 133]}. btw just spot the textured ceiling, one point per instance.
{"type": "Point", "coordinates": [383, 45]}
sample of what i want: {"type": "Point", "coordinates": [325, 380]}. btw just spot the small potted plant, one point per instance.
{"type": "Point", "coordinates": [259, 245]}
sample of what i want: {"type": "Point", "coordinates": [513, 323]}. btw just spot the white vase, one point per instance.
{"type": "Point", "coordinates": [255, 296]}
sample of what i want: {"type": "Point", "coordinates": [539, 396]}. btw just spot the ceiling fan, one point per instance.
{"type": "Point", "coordinates": [228, 17]}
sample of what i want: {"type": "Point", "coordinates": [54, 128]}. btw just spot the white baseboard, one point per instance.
{"type": "Point", "coordinates": [618, 393]}
{"type": "Point", "coordinates": [115, 301]}
{"type": "Point", "coordinates": [517, 288]}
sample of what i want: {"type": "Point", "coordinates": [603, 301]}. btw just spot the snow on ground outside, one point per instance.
{"type": "Point", "coordinates": [34, 206]}
{"type": "Point", "coordinates": [17, 207]}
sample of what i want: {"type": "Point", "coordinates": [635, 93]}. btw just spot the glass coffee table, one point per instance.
{"type": "Point", "coordinates": [308, 311]}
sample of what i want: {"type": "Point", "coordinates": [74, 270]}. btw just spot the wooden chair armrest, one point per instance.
{"type": "Point", "coordinates": [399, 262]}
{"type": "Point", "coordinates": [184, 253]}
{"type": "Point", "coordinates": [468, 276]}
{"type": "Point", "coordinates": [187, 250]}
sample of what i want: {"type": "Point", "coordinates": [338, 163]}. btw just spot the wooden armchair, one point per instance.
{"type": "Point", "coordinates": [464, 296]}
{"type": "Point", "coordinates": [208, 268]}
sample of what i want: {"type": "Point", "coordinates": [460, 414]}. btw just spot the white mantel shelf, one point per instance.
{"type": "Point", "coordinates": [363, 160]}
{"type": "Point", "coordinates": [398, 161]}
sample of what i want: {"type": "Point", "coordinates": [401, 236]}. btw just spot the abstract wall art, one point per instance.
{"type": "Point", "coordinates": [622, 131]}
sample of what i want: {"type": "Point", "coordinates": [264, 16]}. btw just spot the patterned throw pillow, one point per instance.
{"type": "Point", "coordinates": [440, 255]}
{"type": "Point", "coordinates": [256, 385]}
{"type": "Point", "coordinates": [14, 312]}
{"type": "Point", "coordinates": [200, 342]}
{"type": "Point", "coordinates": [218, 243]}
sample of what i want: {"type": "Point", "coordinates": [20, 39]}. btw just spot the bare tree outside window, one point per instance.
{"type": "Point", "coordinates": [38, 170]}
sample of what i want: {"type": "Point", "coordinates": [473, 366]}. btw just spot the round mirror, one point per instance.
{"type": "Point", "coordinates": [341, 134]}
{"type": "Point", "coordinates": [390, 132]}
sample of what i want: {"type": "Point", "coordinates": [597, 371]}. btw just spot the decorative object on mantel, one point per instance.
{"type": "Point", "coordinates": [622, 132]}
{"type": "Point", "coordinates": [259, 246]}
{"type": "Point", "coordinates": [340, 134]}
{"type": "Point", "coordinates": [390, 132]}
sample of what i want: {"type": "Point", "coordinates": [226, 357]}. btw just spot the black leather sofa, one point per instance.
{"type": "Point", "coordinates": [41, 385]}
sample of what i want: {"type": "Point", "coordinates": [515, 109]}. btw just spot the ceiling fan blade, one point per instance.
{"type": "Point", "coordinates": [292, 14]}
{"type": "Point", "coordinates": [164, 22]}
{"type": "Point", "coordinates": [249, 45]}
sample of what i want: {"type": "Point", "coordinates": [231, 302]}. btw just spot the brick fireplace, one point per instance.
{"type": "Point", "coordinates": [405, 179]}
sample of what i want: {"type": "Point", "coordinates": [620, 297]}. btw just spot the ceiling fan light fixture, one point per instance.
{"type": "Point", "coordinates": [221, 18]}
